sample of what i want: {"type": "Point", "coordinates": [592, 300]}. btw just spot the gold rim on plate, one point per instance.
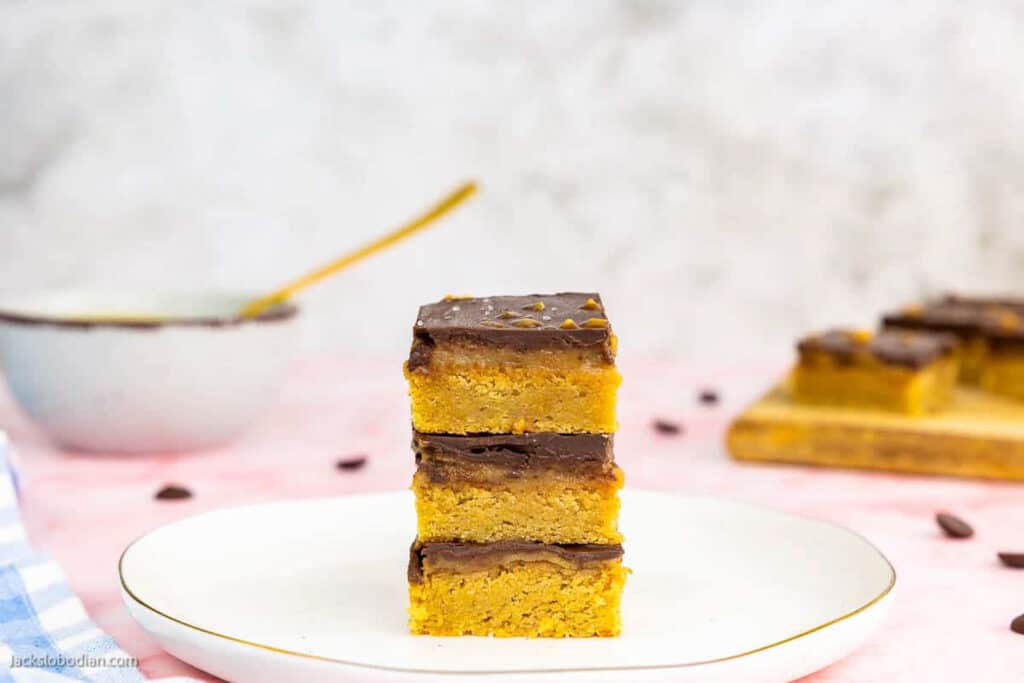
{"type": "Point", "coordinates": [305, 655]}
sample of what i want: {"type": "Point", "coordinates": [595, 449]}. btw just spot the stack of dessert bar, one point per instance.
{"type": "Point", "coordinates": [914, 362]}
{"type": "Point", "coordinates": [517, 491]}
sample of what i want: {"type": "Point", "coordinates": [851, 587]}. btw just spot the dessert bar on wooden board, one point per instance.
{"type": "Point", "coordinates": [887, 401]}
{"type": "Point", "coordinates": [990, 331]}
{"type": "Point", "coordinates": [906, 372]}
{"type": "Point", "coordinates": [517, 490]}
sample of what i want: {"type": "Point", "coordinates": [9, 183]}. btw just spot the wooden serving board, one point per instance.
{"type": "Point", "coordinates": [980, 435]}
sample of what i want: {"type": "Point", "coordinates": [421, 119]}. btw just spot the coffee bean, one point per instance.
{"type": "Point", "coordinates": [953, 526]}
{"type": "Point", "coordinates": [708, 397]}
{"type": "Point", "coordinates": [1017, 625]}
{"type": "Point", "coordinates": [667, 427]}
{"type": "Point", "coordinates": [1015, 560]}
{"type": "Point", "coordinates": [354, 463]}
{"type": "Point", "coordinates": [173, 492]}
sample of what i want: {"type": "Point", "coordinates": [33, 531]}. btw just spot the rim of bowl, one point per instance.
{"type": "Point", "coordinates": [278, 313]}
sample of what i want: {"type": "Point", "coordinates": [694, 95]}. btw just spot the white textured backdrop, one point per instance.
{"type": "Point", "coordinates": [728, 174]}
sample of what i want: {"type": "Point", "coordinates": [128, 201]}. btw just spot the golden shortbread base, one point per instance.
{"type": "Point", "coordinates": [869, 383]}
{"type": "Point", "coordinates": [972, 354]}
{"type": "Point", "coordinates": [520, 599]}
{"type": "Point", "coordinates": [1003, 374]}
{"type": "Point", "coordinates": [512, 399]}
{"type": "Point", "coordinates": [553, 507]}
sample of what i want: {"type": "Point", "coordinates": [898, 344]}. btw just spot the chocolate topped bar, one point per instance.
{"type": "Point", "coordinates": [516, 488]}
{"type": "Point", "coordinates": [467, 557]}
{"type": "Point", "coordinates": [912, 350]}
{"type": "Point", "coordinates": [522, 323]}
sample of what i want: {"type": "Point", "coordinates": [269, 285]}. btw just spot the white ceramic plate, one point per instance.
{"type": "Point", "coordinates": [315, 590]}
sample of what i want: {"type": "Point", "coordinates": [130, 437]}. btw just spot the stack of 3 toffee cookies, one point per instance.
{"type": "Point", "coordinates": [517, 491]}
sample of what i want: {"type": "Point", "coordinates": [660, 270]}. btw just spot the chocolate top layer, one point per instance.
{"type": "Point", "coordinates": [1004, 331]}
{"type": "Point", "coordinates": [945, 317]}
{"type": "Point", "coordinates": [480, 555]}
{"type": "Point", "coordinates": [1000, 321]}
{"type": "Point", "coordinates": [522, 323]}
{"type": "Point", "coordinates": [989, 302]}
{"type": "Point", "coordinates": [908, 349]}
{"type": "Point", "coordinates": [516, 451]}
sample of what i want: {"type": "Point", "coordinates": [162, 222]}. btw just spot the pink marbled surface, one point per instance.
{"type": "Point", "coordinates": [954, 603]}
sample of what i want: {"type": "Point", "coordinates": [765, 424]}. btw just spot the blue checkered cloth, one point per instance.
{"type": "Point", "coordinates": [45, 634]}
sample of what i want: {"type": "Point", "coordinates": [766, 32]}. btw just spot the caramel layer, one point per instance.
{"type": "Point", "coordinates": [469, 557]}
{"type": "Point", "coordinates": [490, 458]}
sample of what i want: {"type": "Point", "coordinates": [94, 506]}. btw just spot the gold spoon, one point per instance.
{"type": "Point", "coordinates": [461, 194]}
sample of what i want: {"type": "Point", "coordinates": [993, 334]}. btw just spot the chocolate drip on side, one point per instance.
{"type": "Point", "coordinates": [421, 352]}
{"type": "Point", "coordinates": [414, 573]}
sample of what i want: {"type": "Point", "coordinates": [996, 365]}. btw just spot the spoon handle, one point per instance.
{"type": "Point", "coordinates": [459, 195]}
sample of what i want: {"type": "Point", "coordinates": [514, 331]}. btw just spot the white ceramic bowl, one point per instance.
{"type": "Point", "coordinates": [129, 372]}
